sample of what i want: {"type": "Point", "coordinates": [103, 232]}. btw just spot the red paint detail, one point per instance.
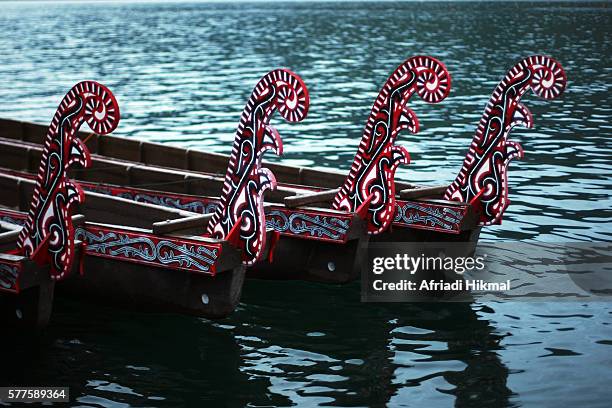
{"type": "Point", "coordinates": [476, 197]}
{"type": "Point", "coordinates": [478, 207]}
{"type": "Point", "coordinates": [484, 170]}
{"type": "Point", "coordinates": [377, 159]}
{"type": "Point", "coordinates": [55, 195]}
{"type": "Point", "coordinates": [82, 259]}
{"type": "Point", "coordinates": [13, 214]}
{"type": "Point", "coordinates": [245, 180]}
{"type": "Point", "coordinates": [233, 237]}
{"type": "Point", "coordinates": [41, 254]}
{"type": "Point", "coordinates": [363, 210]}
{"type": "Point", "coordinates": [273, 241]}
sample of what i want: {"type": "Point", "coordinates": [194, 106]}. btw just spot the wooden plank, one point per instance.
{"type": "Point", "coordinates": [8, 236]}
{"type": "Point", "coordinates": [14, 156]}
{"type": "Point", "coordinates": [117, 169]}
{"type": "Point", "coordinates": [10, 196]}
{"type": "Point", "coordinates": [34, 133]}
{"type": "Point", "coordinates": [156, 154]}
{"type": "Point", "coordinates": [404, 185]}
{"type": "Point", "coordinates": [283, 173]}
{"type": "Point", "coordinates": [413, 193]}
{"type": "Point", "coordinates": [12, 129]}
{"type": "Point", "coordinates": [120, 211]}
{"type": "Point", "coordinates": [320, 178]}
{"type": "Point", "coordinates": [119, 148]}
{"type": "Point", "coordinates": [447, 203]}
{"type": "Point", "coordinates": [214, 163]}
{"type": "Point", "coordinates": [181, 224]}
{"type": "Point", "coordinates": [13, 230]}
{"type": "Point", "coordinates": [310, 198]}
{"type": "Point", "coordinates": [9, 226]}
{"type": "Point", "coordinates": [78, 219]}
{"type": "Point", "coordinates": [13, 258]}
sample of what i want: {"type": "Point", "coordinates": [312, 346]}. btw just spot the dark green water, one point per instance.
{"type": "Point", "coordinates": [182, 72]}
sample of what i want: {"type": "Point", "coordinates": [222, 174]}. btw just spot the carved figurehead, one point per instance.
{"type": "Point", "coordinates": [371, 177]}
{"type": "Point", "coordinates": [246, 181]}
{"type": "Point", "coordinates": [48, 235]}
{"type": "Point", "coordinates": [483, 177]}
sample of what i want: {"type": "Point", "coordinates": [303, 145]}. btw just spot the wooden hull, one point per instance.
{"type": "Point", "coordinates": [154, 289]}
{"type": "Point", "coordinates": [31, 308]}
{"type": "Point", "coordinates": [136, 286]}
{"type": "Point", "coordinates": [112, 272]}
{"type": "Point", "coordinates": [312, 261]}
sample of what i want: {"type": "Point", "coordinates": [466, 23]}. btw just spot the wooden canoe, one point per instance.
{"type": "Point", "coordinates": [179, 272]}
{"type": "Point", "coordinates": [324, 218]}
{"type": "Point", "coordinates": [145, 255]}
{"type": "Point", "coordinates": [302, 209]}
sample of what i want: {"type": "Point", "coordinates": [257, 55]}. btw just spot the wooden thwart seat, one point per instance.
{"type": "Point", "coordinates": [324, 196]}
{"type": "Point", "coordinates": [182, 225]}
{"type": "Point", "coordinates": [310, 198]}
{"type": "Point", "coordinates": [422, 191]}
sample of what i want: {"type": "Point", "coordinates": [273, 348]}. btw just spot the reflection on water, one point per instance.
{"type": "Point", "coordinates": [182, 73]}
{"type": "Point", "coordinates": [306, 344]}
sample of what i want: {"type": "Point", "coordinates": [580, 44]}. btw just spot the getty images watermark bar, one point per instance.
{"type": "Point", "coordinates": [34, 394]}
{"type": "Point", "coordinates": [396, 272]}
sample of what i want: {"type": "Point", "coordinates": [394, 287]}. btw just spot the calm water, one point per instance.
{"type": "Point", "coordinates": [182, 72]}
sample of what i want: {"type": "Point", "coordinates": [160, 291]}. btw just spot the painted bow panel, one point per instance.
{"type": "Point", "coordinates": [9, 275]}
{"type": "Point", "coordinates": [10, 270]}
{"type": "Point", "coordinates": [48, 235]}
{"type": "Point", "coordinates": [484, 174]}
{"type": "Point", "coordinates": [245, 180]}
{"type": "Point", "coordinates": [430, 216]}
{"type": "Point", "coordinates": [135, 247]}
{"type": "Point", "coordinates": [371, 176]}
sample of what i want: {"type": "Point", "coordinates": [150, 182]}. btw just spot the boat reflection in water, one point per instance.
{"type": "Point", "coordinates": [325, 348]}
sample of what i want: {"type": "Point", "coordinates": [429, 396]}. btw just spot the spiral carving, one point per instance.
{"type": "Point", "coordinates": [245, 180]}
{"type": "Point", "coordinates": [373, 170]}
{"type": "Point", "coordinates": [48, 235]}
{"type": "Point", "coordinates": [483, 176]}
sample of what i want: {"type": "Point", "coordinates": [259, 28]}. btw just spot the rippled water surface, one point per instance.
{"type": "Point", "coordinates": [182, 73]}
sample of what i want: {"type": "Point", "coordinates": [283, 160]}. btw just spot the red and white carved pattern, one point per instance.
{"type": "Point", "coordinates": [49, 234]}
{"type": "Point", "coordinates": [374, 166]}
{"type": "Point", "coordinates": [245, 180]}
{"type": "Point", "coordinates": [484, 171]}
